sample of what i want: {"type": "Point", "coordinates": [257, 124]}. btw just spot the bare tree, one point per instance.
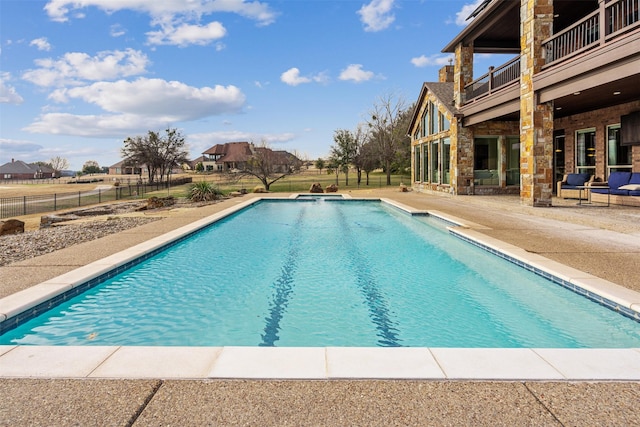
{"type": "Point", "coordinates": [386, 131]}
{"type": "Point", "coordinates": [361, 136]}
{"type": "Point", "coordinates": [58, 164]}
{"type": "Point", "coordinates": [270, 165]}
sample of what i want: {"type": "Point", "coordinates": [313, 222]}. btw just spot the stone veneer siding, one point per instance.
{"type": "Point", "coordinates": [536, 120]}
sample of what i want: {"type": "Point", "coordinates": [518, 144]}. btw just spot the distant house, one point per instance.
{"type": "Point", "coordinates": [17, 169]}
{"type": "Point", "coordinates": [235, 155]}
{"type": "Point", "coordinates": [122, 168]}
{"type": "Point", "coordinates": [226, 157]}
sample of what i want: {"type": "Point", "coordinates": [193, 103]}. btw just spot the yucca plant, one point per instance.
{"type": "Point", "coordinates": [203, 191]}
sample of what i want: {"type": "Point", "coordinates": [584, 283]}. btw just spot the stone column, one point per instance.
{"type": "Point", "coordinates": [462, 137]}
{"type": "Point", "coordinates": [536, 120]}
{"type": "Point", "coordinates": [462, 72]}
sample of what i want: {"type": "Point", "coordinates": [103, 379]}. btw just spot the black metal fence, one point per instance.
{"type": "Point", "coordinates": [27, 205]}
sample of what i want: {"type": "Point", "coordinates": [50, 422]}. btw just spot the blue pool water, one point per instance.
{"type": "Point", "coordinates": [323, 272]}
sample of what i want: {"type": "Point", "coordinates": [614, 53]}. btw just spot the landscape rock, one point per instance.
{"type": "Point", "coordinates": [316, 187]}
{"type": "Point", "coordinates": [332, 188]}
{"type": "Point", "coordinates": [158, 202]}
{"type": "Point", "coordinates": [47, 221]}
{"type": "Point", "coordinates": [11, 226]}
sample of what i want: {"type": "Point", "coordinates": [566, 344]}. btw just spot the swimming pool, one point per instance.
{"type": "Point", "coordinates": [381, 293]}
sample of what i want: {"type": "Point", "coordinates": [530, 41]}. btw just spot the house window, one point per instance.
{"type": "Point", "coordinates": [416, 163]}
{"type": "Point", "coordinates": [425, 162]}
{"type": "Point", "coordinates": [433, 119]}
{"type": "Point", "coordinates": [586, 151]}
{"type": "Point", "coordinates": [618, 156]}
{"type": "Point", "coordinates": [485, 160]}
{"type": "Point", "coordinates": [425, 121]}
{"type": "Point", "coordinates": [446, 161]}
{"type": "Point", "coordinates": [433, 164]}
{"type": "Point", "coordinates": [513, 160]}
{"type": "Point", "coordinates": [445, 122]}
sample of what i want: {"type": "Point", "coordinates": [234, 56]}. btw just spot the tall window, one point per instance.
{"type": "Point", "coordinates": [433, 119]}
{"type": "Point", "coordinates": [618, 156]}
{"type": "Point", "coordinates": [513, 160]}
{"type": "Point", "coordinates": [425, 162]}
{"type": "Point", "coordinates": [446, 161]}
{"type": "Point", "coordinates": [445, 122]}
{"type": "Point", "coordinates": [416, 163]}
{"type": "Point", "coordinates": [586, 151]}
{"type": "Point", "coordinates": [433, 164]}
{"type": "Point", "coordinates": [425, 121]}
{"type": "Point", "coordinates": [485, 160]}
{"type": "Point", "coordinates": [558, 156]}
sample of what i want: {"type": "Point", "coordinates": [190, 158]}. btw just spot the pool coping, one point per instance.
{"type": "Point", "coordinates": [319, 362]}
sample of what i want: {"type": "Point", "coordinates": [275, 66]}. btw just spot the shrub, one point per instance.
{"type": "Point", "coordinates": [203, 191]}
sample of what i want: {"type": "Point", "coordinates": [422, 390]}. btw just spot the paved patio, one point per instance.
{"type": "Point", "coordinates": [604, 242]}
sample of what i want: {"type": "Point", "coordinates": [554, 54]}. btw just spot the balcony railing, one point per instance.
{"type": "Point", "coordinates": [495, 79]}
{"type": "Point", "coordinates": [614, 17]}
{"type": "Point", "coordinates": [611, 19]}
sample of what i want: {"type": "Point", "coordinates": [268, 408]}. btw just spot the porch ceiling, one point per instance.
{"type": "Point", "coordinates": [496, 29]}
{"type": "Point", "coordinates": [597, 97]}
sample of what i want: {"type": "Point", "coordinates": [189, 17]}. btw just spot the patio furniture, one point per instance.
{"type": "Point", "coordinates": [568, 188]}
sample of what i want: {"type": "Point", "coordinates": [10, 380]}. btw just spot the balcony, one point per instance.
{"type": "Point", "coordinates": [611, 20]}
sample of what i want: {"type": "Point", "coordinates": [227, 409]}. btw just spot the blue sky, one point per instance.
{"type": "Point", "coordinates": [77, 77]}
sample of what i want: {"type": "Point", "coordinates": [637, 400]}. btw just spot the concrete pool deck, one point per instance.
{"type": "Point", "coordinates": [604, 242]}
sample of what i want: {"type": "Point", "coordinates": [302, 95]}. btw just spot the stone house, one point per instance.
{"type": "Point", "coordinates": [561, 104]}
{"type": "Point", "coordinates": [235, 155]}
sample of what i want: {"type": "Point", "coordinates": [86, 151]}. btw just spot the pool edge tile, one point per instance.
{"type": "Point", "coordinates": [158, 362]}
{"type": "Point", "coordinates": [382, 363]}
{"type": "Point", "coordinates": [23, 301]}
{"type": "Point", "coordinates": [53, 361]}
{"type": "Point", "coordinates": [494, 364]}
{"type": "Point", "coordinates": [270, 363]}
{"type": "Point", "coordinates": [594, 364]}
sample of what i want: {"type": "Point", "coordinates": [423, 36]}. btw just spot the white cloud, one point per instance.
{"type": "Point", "coordinates": [8, 94]}
{"type": "Point", "coordinates": [77, 67]}
{"type": "Point", "coordinates": [116, 30]}
{"type": "Point", "coordinates": [17, 148]}
{"type": "Point", "coordinates": [136, 107]}
{"type": "Point", "coordinates": [354, 72]}
{"type": "Point", "coordinates": [185, 34]}
{"type": "Point", "coordinates": [292, 77]}
{"type": "Point", "coordinates": [377, 15]}
{"type": "Point", "coordinates": [424, 61]}
{"type": "Point", "coordinates": [59, 10]}
{"type": "Point", "coordinates": [467, 9]}
{"type": "Point", "coordinates": [41, 44]}
{"type": "Point", "coordinates": [220, 46]}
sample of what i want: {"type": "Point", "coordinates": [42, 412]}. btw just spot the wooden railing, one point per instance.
{"type": "Point", "coordinates": [614, 17]}
{"type": "Point", "coordinates": [611, 19]}
{"type": "Point", "coordinates": [495, 79]}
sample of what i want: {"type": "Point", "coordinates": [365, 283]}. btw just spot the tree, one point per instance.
{"type": "Point", "coordinates": [199, 167]}
{"type": "Point", "coordinates": [387, 134]}
{"type": "Point", "coordinates": [91, 166]}
{"type": "Point", "coordinates": [368, 159]}
{"type": "Point", "coordinates": [320, 164]}
{"type": "Point", "coordinates": [58, 164]}
{"type": "Point", "coordinates": [360, 137]}
{"type": "Point", "coordinates": [344, 151]}
{"type": "Point", "coordinates": [158, 153]}
{"type": "Point", "coordinates": [269, 165]}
